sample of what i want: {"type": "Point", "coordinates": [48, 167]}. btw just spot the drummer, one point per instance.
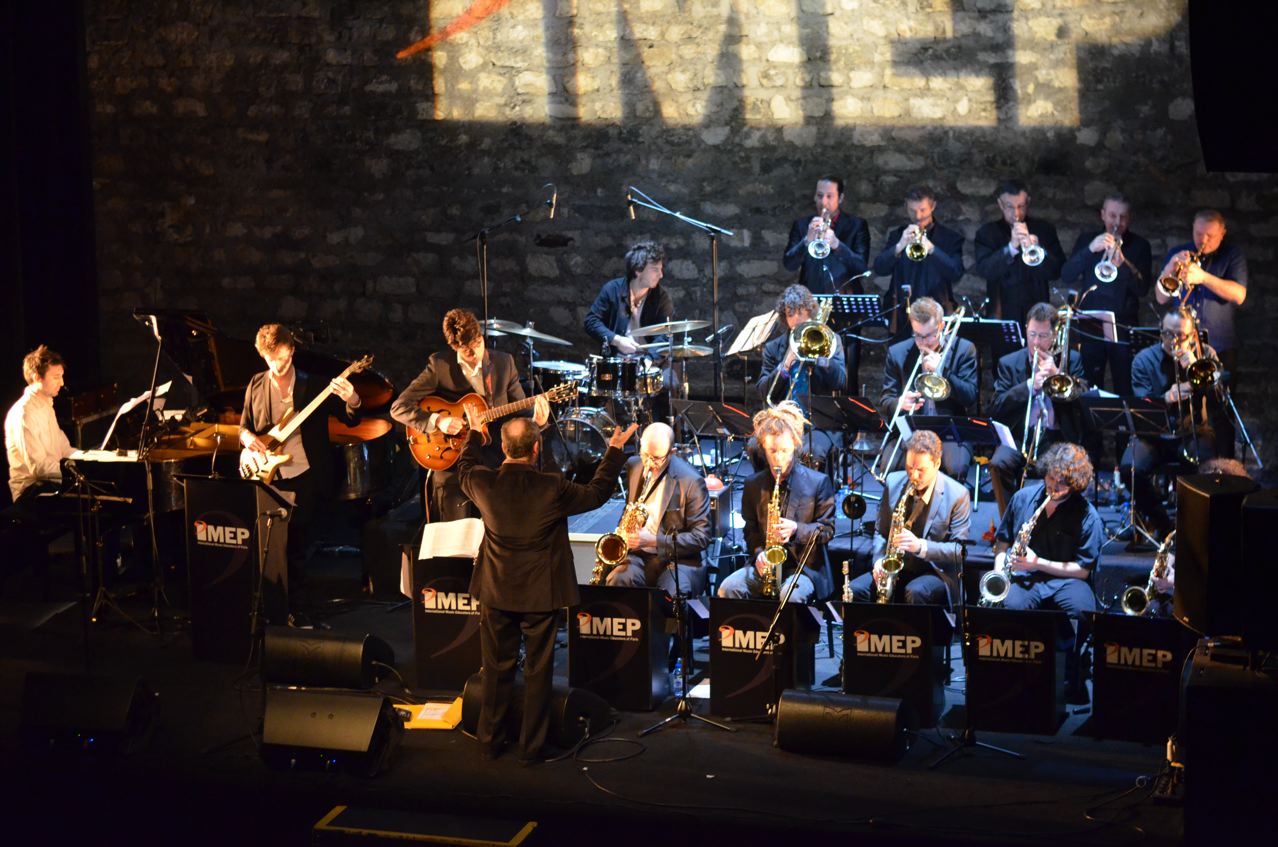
{"type": "Point", "coordinates": [625, 304]}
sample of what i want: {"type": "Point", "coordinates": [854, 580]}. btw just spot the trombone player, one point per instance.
{"type": "Point", "coordinates": [924, 257]}
{"type": "Point", "coordinates": [784, 375]}
{"type": "Point", "coordinates": [936, 525]}
{"type": "Point", "coordinates": [1023, 400]}
{"type": "Point", "coordinates": [922, 354]}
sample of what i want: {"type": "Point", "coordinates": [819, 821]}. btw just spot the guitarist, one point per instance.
{"type": "Point", "coordinates": [469, 368]}
{"type": "Point", "coordinates": [272, 393]}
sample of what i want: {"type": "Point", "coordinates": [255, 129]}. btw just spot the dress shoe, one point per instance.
{"type": "Point", "coordinates": [1169, 786]}
{"type": "Point", "coordinates": [492, 751]}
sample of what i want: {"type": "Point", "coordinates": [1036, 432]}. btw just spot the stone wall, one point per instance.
{"type": "Point", "coordinates": [277, 161]}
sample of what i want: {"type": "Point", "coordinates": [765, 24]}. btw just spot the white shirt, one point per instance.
{"type": "Point", "coordinates": [33, 441]}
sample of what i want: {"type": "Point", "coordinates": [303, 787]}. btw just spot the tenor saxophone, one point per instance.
{"type": "Point", "coordinates": [611, 549]}
{"type": "Point", "coordinates": [774, 553]}
{"type": "Point", "coordinates": [894, 559]}
{"type": "Point", "coordinates": [996, 584]}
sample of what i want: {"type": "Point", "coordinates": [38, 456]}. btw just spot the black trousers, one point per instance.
{"type": "Point", "coordinates": [300, 520]}
{"type": "Point", "coordinates": [499, 635]}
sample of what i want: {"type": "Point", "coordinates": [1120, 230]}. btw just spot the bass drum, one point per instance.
{"type": "Point", "coordinates": [579, 441]}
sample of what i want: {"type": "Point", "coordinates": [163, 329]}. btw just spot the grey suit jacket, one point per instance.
{"type": "Point", "coordinates": [685, 511]}
{"type": "Point", "coordinates": [949, 516]}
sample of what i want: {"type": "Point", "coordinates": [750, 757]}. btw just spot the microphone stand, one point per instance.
{"type": "Point", "coordinates": [158, 594]}
{"type": "Point", "coordinates": [481, 249]}
{"type": "Point", "coordinates": [713, 232]}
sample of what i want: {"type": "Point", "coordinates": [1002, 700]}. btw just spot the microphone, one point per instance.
{"type": "Point", "coordinates": [1084, 294]}
{"type": "Point", "coordinates": [282, 514]}
{"type": "Point", "coordinates": [630, 203]}
{"type": "Point", "coordinates": [554, 199]}
{"type": "Point", "coordinates": [720, 333]}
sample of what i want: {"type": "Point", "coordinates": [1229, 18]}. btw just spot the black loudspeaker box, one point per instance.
{"type": "Point", "coordinates": [325, 730]}
{"type": "Point", "coordinates": [829, 724]}
{"type": "Point", "coordinates": [1209, 576]}
{"type": "Point", "coordinates": [69, 713]}
{"type": "Point", "coordinates": [310, 657]}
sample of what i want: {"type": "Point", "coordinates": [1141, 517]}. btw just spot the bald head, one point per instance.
{"type": "Point", "coordinates": [654, 447]}
{"type": "Point", "coordinates": [519, 439]}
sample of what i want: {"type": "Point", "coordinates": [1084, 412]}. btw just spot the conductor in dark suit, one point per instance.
{"type": "Point", "coordinates": [936, 525]}
{"type": "Point", "coordinates": [927, 319]}
{"type": "Point", "coordinates": [678, 527]}
{"type": "Point", "coordinates": [524, 572]}
{"type": "Point", "coordinates": [468, 368]}
{"type": "Point", "coordinates": [308, 475]}
{"type": "Point", "coordinates": [1019, 396]}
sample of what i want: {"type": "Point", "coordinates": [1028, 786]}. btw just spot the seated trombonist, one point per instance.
{"type": "Point", "coordinates": [1032, 403]}
{"type": "Point", "coordinates": [957, 364]}
{"type": "Point", "coordinates": [677, 526]}
{"type": "Point", "coordinates": [785, 376]}
{"type": "Point", "coordinates": [788, 510]}
{"type": "Point", "coordinates": [933, 513]}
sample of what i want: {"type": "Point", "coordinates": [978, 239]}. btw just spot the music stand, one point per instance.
{"type": "Point", "coordinates": [851, 310]}
{"type": "Point", "coordinates": [997, 335]}
{"type": "Point", "coordinates": [1096, 325]}
{"type": "Point", "coordinates": [1131, 416]}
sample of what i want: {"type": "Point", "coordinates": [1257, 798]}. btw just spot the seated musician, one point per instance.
{"type": "Point", "coordinates": [784, 376]}
{"type": "Point", "coordinates": [1160, 371]}
{"type": "Point", "coordinates": [626, 303]}
{"type": "Point", "coordinates": [470, 368]}
{"type": "Point", "coordinates": [926, 321]}
{"type": "Point", "coordinates": [309, 473]}
{"type": "Point", "coordinates": [33, 441]}
{"type": "Point", "coordinates": [678, 527]}
{"type": "Point", "coordinates": [806, 506]}
{"type": "Point", "coordinates": [936, 522]}
{"type": "Point", "coordinates": [1021, 402]}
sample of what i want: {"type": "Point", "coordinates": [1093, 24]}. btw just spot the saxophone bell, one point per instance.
{"type": "Point", "coordinates": [612, 549]}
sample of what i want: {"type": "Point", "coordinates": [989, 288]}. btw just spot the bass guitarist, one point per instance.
{"type": "Point", "coordinates": [270, 395]}
{"type": "Point", "coordinates": [469, 368]}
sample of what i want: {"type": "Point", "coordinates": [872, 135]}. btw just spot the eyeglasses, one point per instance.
{"type": "Point", "coordinates": [1037, 335]}
{"type": "Point", "coordinates": [1169, 335]}
{"type": "Point", "coordinates": [928, 336]}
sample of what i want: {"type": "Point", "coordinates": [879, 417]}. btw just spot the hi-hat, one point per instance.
{"type": "Point", "coordinates": [669, 328]}
{"type": "Point", "coordinates": [663, 350]}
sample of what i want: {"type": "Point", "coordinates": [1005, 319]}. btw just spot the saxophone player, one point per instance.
{"type": "Point", "coordinates": [677, 505]}
{"type": "Point", "coordinates": [937, 515]}
{"type": "Point", "coordinates": [806, 504]}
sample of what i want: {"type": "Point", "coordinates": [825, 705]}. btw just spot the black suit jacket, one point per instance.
{"type": "Point", "coordinates": [809, 503]}
{"type": "Point", "coordinates": [960, 370]}
{"type": "Point", "coordinates": [826, 276]}
{"type": "Point", "coordinates": [1122, 296]}
{"type": "Point", "coordinates": [525, 563]}
{"type": "Point", "coordinates": [256, 418]}
{"type": "Point", "coordinates": [609, 315]}
{"type": "Point", "coordinates": [684, 509]}
{"type": "Point", "coordinates": [1012, 285]}
{"type": "Point", "coordinates": [933, 277]}
{"type": "Point", "coordinates": [1011, 395]}
{"type": "Point", "coordinates": [825, 379]}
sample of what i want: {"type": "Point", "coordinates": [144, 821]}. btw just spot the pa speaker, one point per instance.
{"type": "Point", "coordinates": [1210, 587]}
{"type": "Point", "coordinates": [323, 730]}
{"type": "Point", "coordinates": [829, 724]}
{"type": "Point", "coordinates": [324, 659]}
{"type": "Point", "coordinates": [1259, 517]}
{"type": "Point", "coordinates": [86, 713]}
{"type": "Point", "coordinates": [574, 712]}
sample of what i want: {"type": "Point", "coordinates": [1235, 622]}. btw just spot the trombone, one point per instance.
{"type": "Point", "coordinates": [933, 386]}
{"type": "Point", "coordinates": [1062, 385]}
{"type": "Point", "coordinates": [1204, 371]}
{"type": "Point", "coordinates": [809, 341]}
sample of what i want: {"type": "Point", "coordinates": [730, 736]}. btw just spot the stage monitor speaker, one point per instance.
{"type": "Point", "coordinates": [574, 712]}
{"type": "Point", "coordinates": [63, 712]}
{"type": "Point", "coordinates": [1235, 122]}
{"type": "Point", "coordinates": [1210, 588]}
{"type": "Point", "coordinates": [829, 724]}
{"type": "Point", "coordinates": [1259, 517]}
{"type": "Point", "coordinates": [324, 730]}
{"type": "Point", "coordinates": [324, 659]}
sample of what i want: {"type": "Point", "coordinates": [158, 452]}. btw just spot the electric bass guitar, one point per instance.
{"type": "Point", "coordinates": [262, 466]}
{"type": "Point", "coordinates": [438, 451]}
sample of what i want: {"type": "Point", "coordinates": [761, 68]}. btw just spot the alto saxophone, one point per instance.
{"type": "Point", "coordinates": [894, 559]}
{"type": "Point", "coordinates": [1136, 600]}
{"type": "Point", "coordinates": [611, 549]}
{"type": "Point", "coordinates": [996, 584]}
{"type": "Point", "coordinates": [774, 553]}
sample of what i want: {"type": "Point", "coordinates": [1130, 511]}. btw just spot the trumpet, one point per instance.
{"type": "Point", "coordinates": [1173, 284]}
{"type": "Point", "coordinates": [894, 559]}
{"type": "Point", "coordinates": [1106, 270]}
{"type": "Point", "coordinates": [1031, 254]}
{"type": "Point", "coordinates": [997, 583]}
{"type": "Point", "coordinates": [774, 552]}
{"type": "Point", "coordinates": [817, 247]}
{"type": "Point", "coordinates": [611, 549]}
{"type": "Point", "coordinates": [1136, 600]}
{"type": "Point", "coordinates": [915, 251]}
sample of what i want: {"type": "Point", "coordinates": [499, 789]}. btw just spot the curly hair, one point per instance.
{"type": "Point", "coordinates": [461, 328]}
{"type": "Point", "coordinates": [785, 418]}
{"type": "Point", "coordinates": [37, 363]}
{"type": "Point", "coordinates": [796, 298]}
{"type": "Point", "coordinates": [1068, 463]}
{"type": "Point", "coordinates": [642, 255]}
{"type": "Point", "coordinates": [272, 337]}
{"type": "Point", "coordinates": [925, 441]}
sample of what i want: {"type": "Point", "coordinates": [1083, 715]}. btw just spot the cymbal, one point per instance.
{"type": "Point", "coordinates": [662, 350]}
{"type": "Point", "coordinates": [511, 328]}
{"type": "Point", "coordinates": [499, 325]}
{"type": "Point", "coordinates": [668, 328]}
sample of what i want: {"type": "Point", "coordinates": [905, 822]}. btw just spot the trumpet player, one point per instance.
{"type": "Point", "coordinates": [784, 375]}
{"type": "Point", "coordinates": [675, 499]}
{"type": "Point", "coordinates": [1214, 284]}
{"type": "Point", "coordinates": [923, 257]}
{"type": "Point", "coordinates": [1062, 549]}
{"type": "Point", "coordinates": [1017, 256]}
{"type": "Point", "coordinates": [936, 525]}
{"type": "Point", "coordinates": [924, 348]}
{"type": "Point", "coordinates": [1022, 401]}
{"type": "Point", "coordinates": [806, 501]}
{"type": "Point", "coordinates": [1128, 254]}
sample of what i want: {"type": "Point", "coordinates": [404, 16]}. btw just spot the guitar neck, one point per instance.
{"type": "Point", "coordinates": [296, 421]}
{"type": "Point", "coordinates": [507, 409]}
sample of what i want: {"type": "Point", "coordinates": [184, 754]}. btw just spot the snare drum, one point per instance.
{"type": "Point", "coordinates": [585, 439]}
{"type": "Point", "coordinates": [651, 381]}
{"type": "Point", "coordinates": [617, 376]}
{"type": "Point", "coordinates": [551, 373]}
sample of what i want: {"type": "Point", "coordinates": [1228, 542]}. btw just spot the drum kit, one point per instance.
{"type": "Point", "coordinates": [612, 387]}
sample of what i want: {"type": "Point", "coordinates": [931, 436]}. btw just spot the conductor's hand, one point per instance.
{"type": "Point", "coordinates": [620, 436]}
{"type": "Point", "coordinates": [541, 410]}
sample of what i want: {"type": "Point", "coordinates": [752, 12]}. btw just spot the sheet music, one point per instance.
{"type": "Point", "coordinates": [451, 539]}
{"type": "Point", "coordinates": [1106, 320]}
{"type": "Point", "coordinates": [130, 405]}
{"type": "Point", "coordinates": [1004, 434]}
{"type": "Point", "coordinates": [755, 334]}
